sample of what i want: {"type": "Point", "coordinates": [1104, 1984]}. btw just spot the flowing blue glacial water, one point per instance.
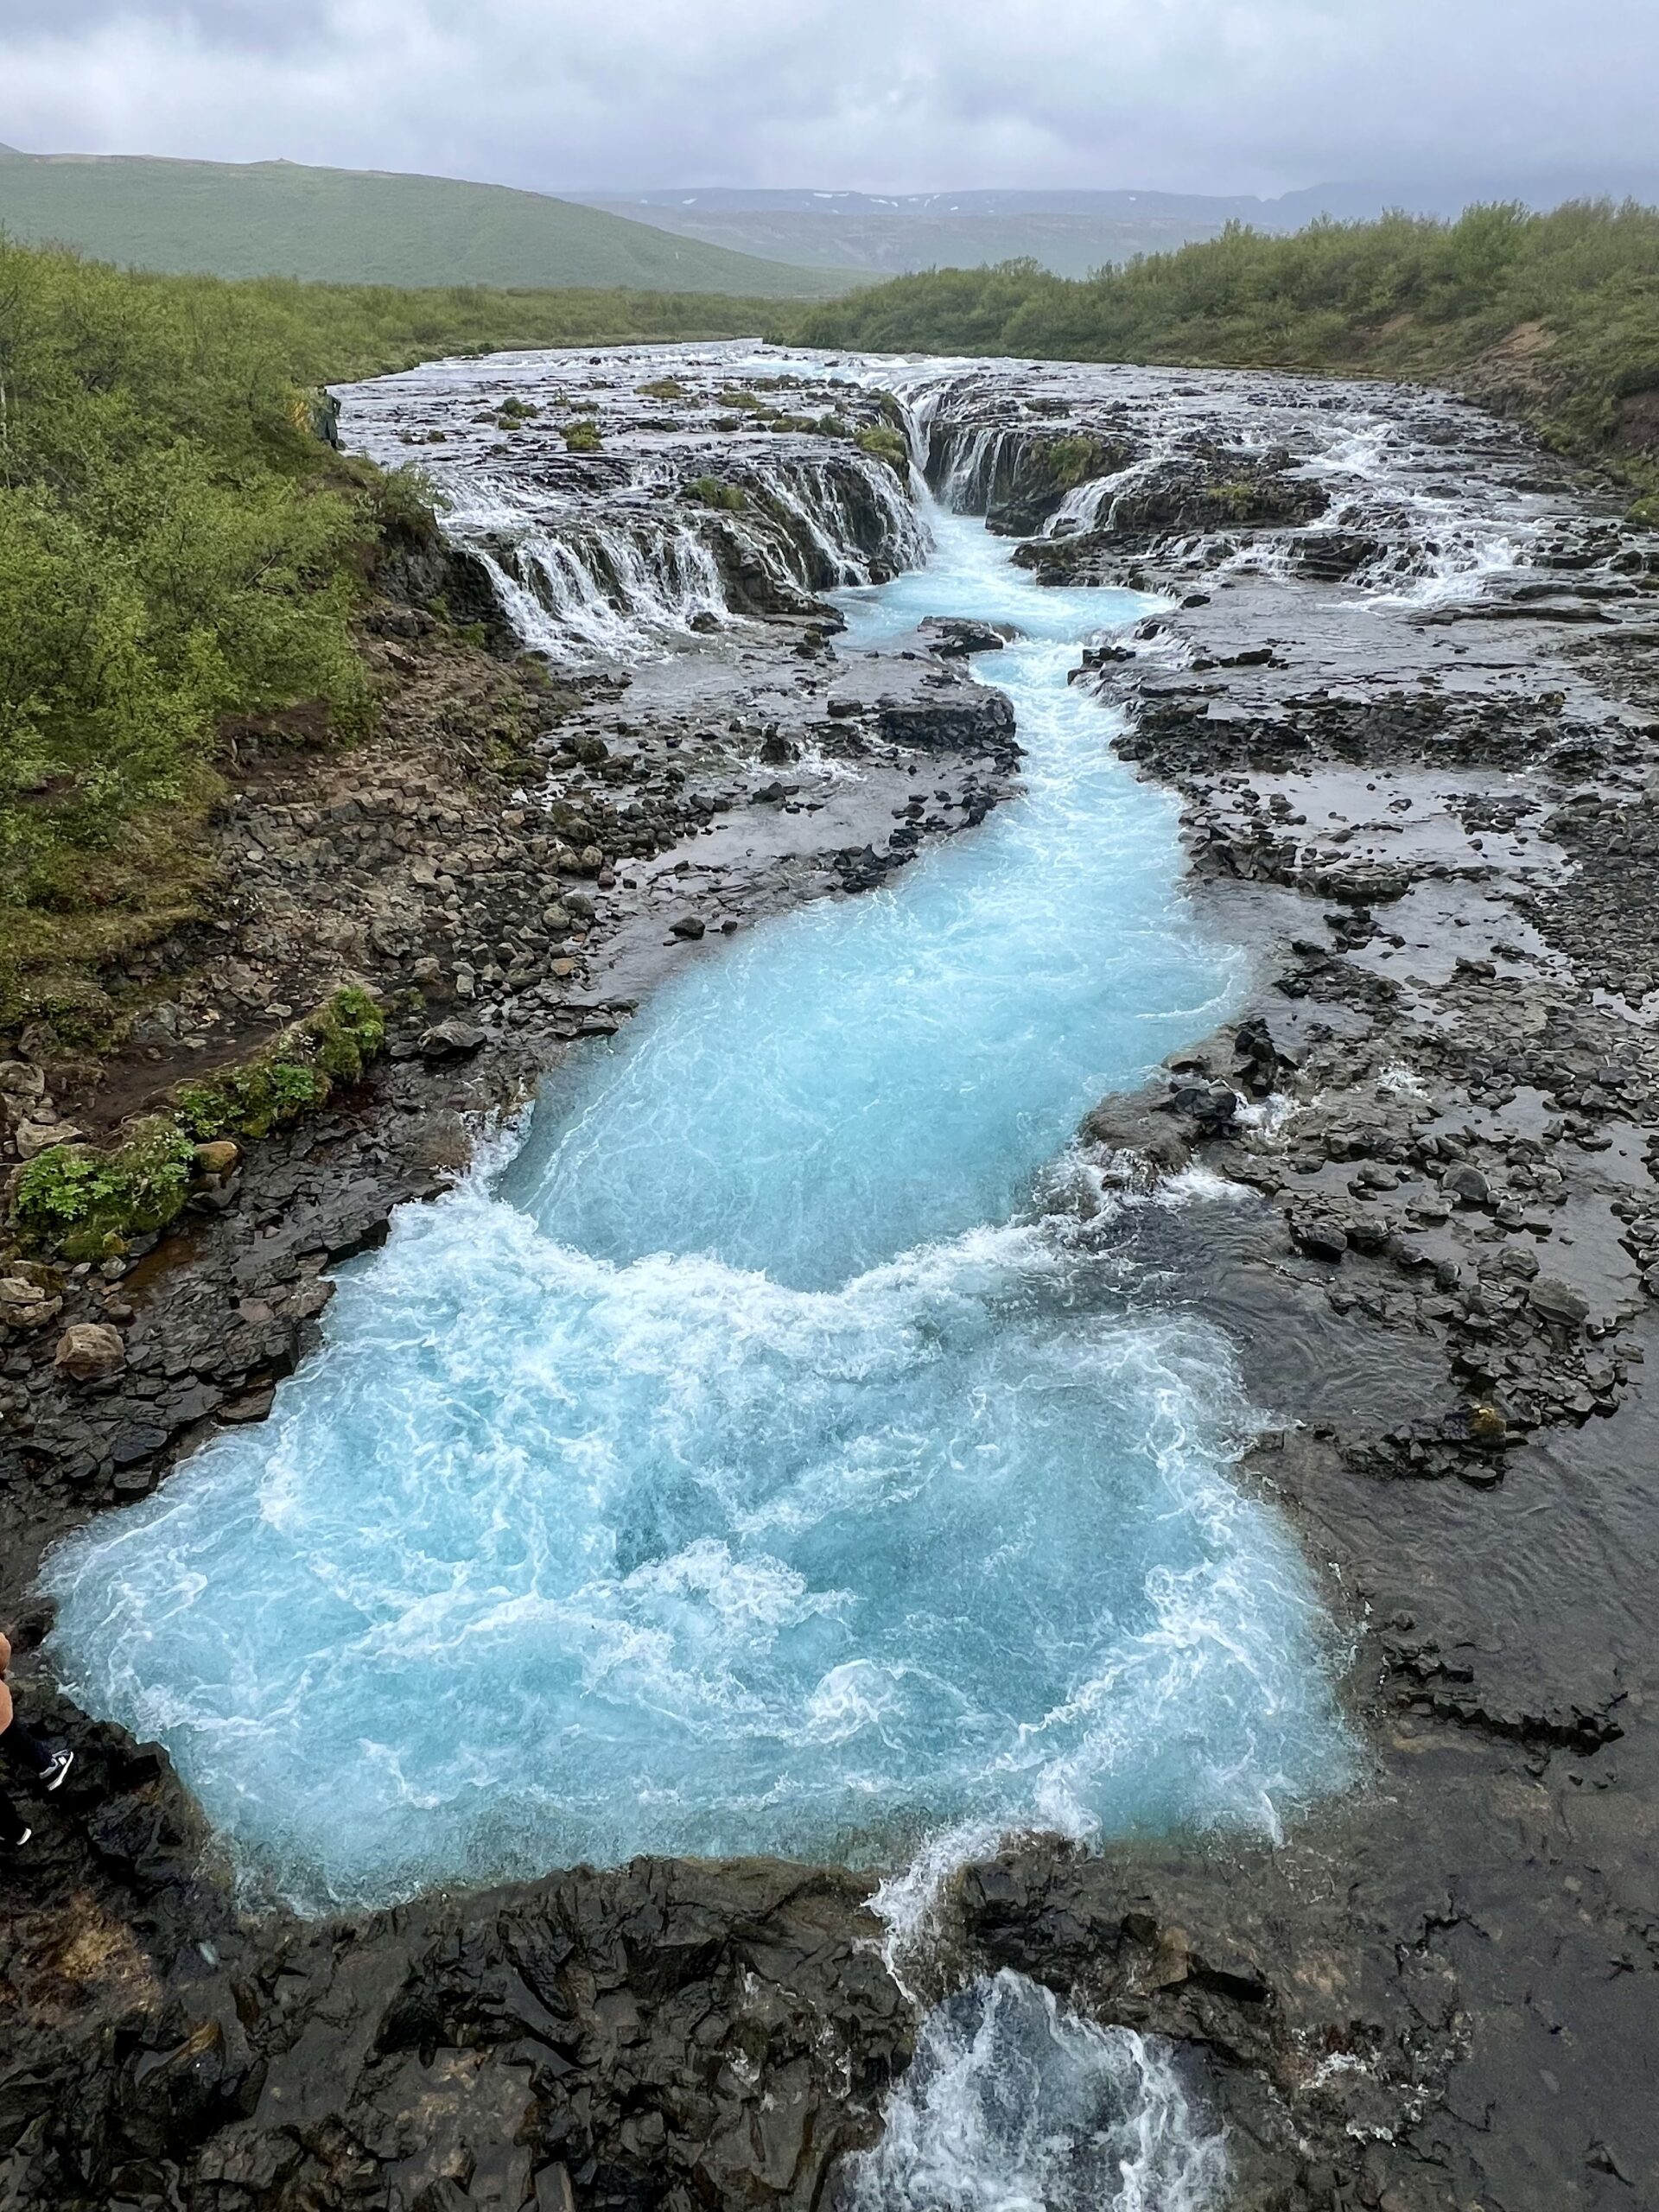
{"type": "Point", "coordinates": [749, 1465]}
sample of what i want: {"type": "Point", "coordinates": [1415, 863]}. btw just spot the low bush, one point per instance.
{"type": "Point", "coordinates": [87, 1203]}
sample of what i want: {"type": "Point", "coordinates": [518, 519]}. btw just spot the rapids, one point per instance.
{"type": "Point", "coordinates": [760, 1458]}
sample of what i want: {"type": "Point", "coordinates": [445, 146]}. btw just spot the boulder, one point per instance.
{"type": "Point", "coordinates": [1319, 1236]}
{"type": "Point", "coordinates": [450, 1040]}
{"type": "Point", "coordinates": [25, 1305]}
{"type": "Point", "coordinates": [33, 1138]}
{"type": "Point", "coordinates": [1467, 1185]}
{"type": "Point", "coordinates": [89, 1351]}
{"type": "Point", "coordinates": [1558, 1301]}
{"type": "Point", "coordinates": [954, 636]}
{"type": "Point", "coordinates": [1213, 1106]}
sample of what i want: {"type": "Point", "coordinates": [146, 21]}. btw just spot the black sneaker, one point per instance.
{"type": "Point", "coordinates": [56, 1767]}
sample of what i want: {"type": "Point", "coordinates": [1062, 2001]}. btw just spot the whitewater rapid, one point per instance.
{"type": "Point", "coordinates": [762, 1458]}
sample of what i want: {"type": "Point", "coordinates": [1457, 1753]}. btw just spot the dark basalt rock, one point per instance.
{"type": "Point", "coordinates": [966, 718]}
{"type": "Point", "coordinates": [953, 638]}
{"type": "Point", "coordinates": [720, 2030]}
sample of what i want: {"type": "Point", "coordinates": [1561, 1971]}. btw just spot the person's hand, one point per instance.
{"type": "Point", "coordinates": [5, 1653]}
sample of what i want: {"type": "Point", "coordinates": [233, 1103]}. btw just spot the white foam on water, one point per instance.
{"type": "Point", "coordinates": [1015, 2103]}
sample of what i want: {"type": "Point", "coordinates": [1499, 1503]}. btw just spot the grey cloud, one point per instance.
{"type": "Point", "coordinates": [246, 26]}
{"type": "Point", "coordinates": [885, 94]}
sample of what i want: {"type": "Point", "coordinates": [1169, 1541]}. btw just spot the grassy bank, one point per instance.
{"type": "Point", "coordinates": [1552, 317]}
{"type": "Point", "coordinates": [181, 555]}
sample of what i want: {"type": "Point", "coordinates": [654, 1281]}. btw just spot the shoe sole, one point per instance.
{"type": "Point", "coordinates": [62, 1774]}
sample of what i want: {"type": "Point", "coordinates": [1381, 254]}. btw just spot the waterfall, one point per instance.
{"type": "Point", "coordinates": [1014, 2101]}
{"type": "Point", "coordinates": [577, 582]}
{"type": "Point", "coordinates": [620, 552]}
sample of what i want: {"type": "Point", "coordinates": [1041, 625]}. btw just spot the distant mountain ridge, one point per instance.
{"type": "Point", "coordinates": [359, 227]}
{"type": "Point", "coordinates": [1071, 232]}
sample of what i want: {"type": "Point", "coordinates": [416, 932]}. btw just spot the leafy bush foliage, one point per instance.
{"type": "Point", "coordinates": [84, 1201]}
{"type": "Point", "coordinates": [1555, 314]}
{"type": "Point", "coordinates": [172, 552]}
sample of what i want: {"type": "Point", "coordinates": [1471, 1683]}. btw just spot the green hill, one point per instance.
{"type": "Point", "coordinates": [355, 226]}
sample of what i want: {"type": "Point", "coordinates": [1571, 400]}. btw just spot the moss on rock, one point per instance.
{"type": "Point", "coordinates": [87, 1202]}
{"type": "Point", "coordinates": [886, 444]}
{"type": "Point", "coordinates": [716, 492]}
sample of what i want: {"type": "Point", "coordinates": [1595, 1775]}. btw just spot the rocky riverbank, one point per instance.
{"type": "Point", "coordinates": [1407, 684]}
{"type": "Point", "coordinates": [1405, 688]}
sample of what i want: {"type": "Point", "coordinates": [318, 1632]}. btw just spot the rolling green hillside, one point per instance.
{"type": "Point", "coordinates": [355, 226]}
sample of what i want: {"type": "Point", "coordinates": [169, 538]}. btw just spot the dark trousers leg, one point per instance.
{"type": "Point", "coordinates": [24, 1748]}
{"type": "Point", "coordinates": [11, 1822]}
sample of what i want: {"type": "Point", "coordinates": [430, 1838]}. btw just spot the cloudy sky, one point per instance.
{"type": "Point", "coordinates": [897, 95]}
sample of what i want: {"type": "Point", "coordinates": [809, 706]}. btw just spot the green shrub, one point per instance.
{"type": "Point", "coordinates": [582, 437]}
{"type": "Point", "coordinates": [251, 1101]}
{"type": "Point", "coordinates": [84, 1202]}
{"type": "Point", "coordinates": [350, 1030]}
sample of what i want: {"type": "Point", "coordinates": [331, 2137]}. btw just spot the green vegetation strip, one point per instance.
{"type": "Point", "coordinates": [1552, 317]}
{"type": "Point", "coordinates": [87, 1203]}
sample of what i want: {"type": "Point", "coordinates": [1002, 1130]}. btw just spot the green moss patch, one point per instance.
{"type": "Point", "coordinates": [885, 445]}
{"type": "Point", "coordinates": [87, 1202]}
{"type": "Point", "coordinates": [715, 491]}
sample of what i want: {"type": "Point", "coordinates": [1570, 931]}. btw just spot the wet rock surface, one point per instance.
{"type": "Point", "coordinates": [1410, 719]}
{"type": "Point", "coordinates": [1406, 683]}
